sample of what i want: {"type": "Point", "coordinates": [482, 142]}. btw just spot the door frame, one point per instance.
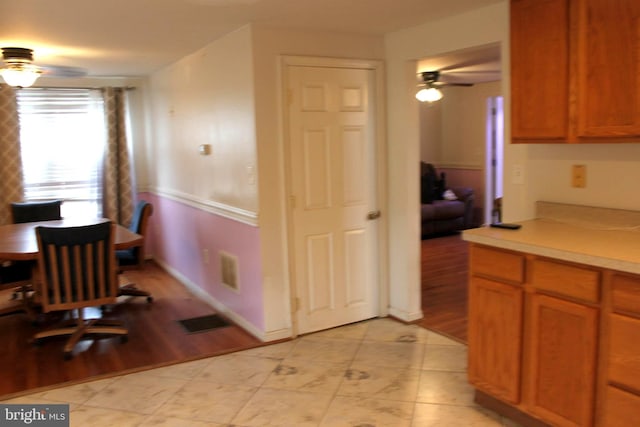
{"type": "Point", "coordinates": [494, 156]}
{"type": "Point", "coordinates": [380, 150]}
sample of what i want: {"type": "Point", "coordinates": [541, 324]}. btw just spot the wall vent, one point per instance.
{"type": "Point", "coordinates": [229, 270]}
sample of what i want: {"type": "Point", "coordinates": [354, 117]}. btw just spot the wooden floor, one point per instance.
{"type": "Point", "coordinates": [444, 285]}
{"type": "Point", "coordinates": [155, 339]}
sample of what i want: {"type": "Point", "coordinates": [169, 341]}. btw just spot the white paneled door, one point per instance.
{"type": "Point", "coordinates": [333, 202]}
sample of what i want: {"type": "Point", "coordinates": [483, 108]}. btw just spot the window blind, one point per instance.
{"type": "Point", "coordinates": [62, 141]}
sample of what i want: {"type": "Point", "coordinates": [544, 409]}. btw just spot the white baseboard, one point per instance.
{"type": "Point", "coordinates": [405, 316]}
{"type": "Point", "coordinates": [224, 310]}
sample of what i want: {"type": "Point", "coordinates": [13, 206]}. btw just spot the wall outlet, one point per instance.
{"type": "Point", "coordinates": [518, 174]}
{"type": "Point", "coordinates": [578, 176]}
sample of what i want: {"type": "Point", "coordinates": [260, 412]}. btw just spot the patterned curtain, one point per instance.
{"type": "Point", "coordinates": [10, 159]}
{"type": "Point", "coordinates": [118, 196]}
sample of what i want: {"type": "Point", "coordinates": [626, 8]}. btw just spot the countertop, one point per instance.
{"type": "Point", "coordinates": [616, 248]}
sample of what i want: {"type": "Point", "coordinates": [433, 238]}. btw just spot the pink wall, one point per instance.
{"type": "Point", "coordinates": [178, 233]}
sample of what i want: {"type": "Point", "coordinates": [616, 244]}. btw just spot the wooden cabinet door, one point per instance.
{"type": "Point", "coordinates": [539, 70]}
{"type": "Point", "coordinates": [622, 409]}
{"type": "Point", "coordinates": [495, 338]}
{"type": "Point", "coordinates": [562, 362]}
{"type": "Point", "coordinates": [609, 68]}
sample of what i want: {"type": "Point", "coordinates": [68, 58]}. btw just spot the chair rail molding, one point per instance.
{"type": "Point", "coordinates": [231, 212]}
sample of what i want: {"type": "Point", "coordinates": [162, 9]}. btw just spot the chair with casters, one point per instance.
{"type": "Point", "coordinates": [17, 277]}
{"type": "Point", "coordinates": [22, 212]}
{"type": "Point", "coordinates": [77, 268]}
{"type": "Point", "coordinates": [36, 211]}
{"type": "Point", "coordinates": [133, 258]}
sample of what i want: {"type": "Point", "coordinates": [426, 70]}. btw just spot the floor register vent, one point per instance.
{"type": "Point", "coordinates": [229, 270]}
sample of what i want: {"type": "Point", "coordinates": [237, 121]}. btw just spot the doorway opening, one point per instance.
{"type": "Point", "coordinates": [494, 162]}
{"type": "Point", "coordinates": [462, 135]}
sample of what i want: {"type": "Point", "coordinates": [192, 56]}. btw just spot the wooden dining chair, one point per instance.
{"type": "Point", "coordinates": [36, 211]}
{"type": "Point", "coordinates": [22, 212]}
{"type": "Point", "coordinates": [133, 258]}
{"type": "Point", "coordinates": [78, 270]}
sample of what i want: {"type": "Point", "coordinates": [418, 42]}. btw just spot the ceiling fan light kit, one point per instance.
{"type": "Point", "coordinates": [430, 94]}
{"type": "Point", "coordinates": [428, 91]}
{"type": "Point", "coordinates": [18, 70]}
{"type": "Point", "coordinates": [19, 76]}
{"type": "Point", "coordinates": [430, 84]}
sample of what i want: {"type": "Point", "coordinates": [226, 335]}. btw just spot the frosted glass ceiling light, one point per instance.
{"type": "Point", "coordinates": [19, 77]}
{"type": "Point", "coordinates": [430, 94]}
{"type": "Point", "coordinates": [429, 91]}
{"type": "Point", "coordinates": [18, 70]}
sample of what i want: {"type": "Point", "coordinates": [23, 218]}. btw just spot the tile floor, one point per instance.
{"type": "Point", "coordinates": [375, 373]}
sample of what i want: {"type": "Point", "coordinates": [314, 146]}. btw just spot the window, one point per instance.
{"type": "Point", "coordinates": [62, 139]}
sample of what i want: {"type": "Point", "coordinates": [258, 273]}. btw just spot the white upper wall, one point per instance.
{"type": "Point", "coordinates": [207, 98]}
{"type": "Point", "coordinates": [453, 130]}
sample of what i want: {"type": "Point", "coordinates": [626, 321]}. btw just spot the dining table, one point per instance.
{"type": "Point", "coordinates": [18, 242]}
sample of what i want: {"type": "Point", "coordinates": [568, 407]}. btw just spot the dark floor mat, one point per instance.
{"type": "Point", "coordinates": [203, 323]}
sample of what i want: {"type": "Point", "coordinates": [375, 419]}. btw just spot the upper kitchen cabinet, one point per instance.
{"type": "Point", "coordinates": [539, 70]}
{"type": "Point", "coordinates": [575, 71]}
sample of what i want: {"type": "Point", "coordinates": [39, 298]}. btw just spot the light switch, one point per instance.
{"type": "Point", "coordinates": [204, 149]}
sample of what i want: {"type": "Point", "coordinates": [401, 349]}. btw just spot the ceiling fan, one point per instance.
{"type": "Point", "coordinates": [430, 84]}
{"type": "Point", "coordinates": [20, 71]}
{"type": "Point", "coordinates": [433, 78]}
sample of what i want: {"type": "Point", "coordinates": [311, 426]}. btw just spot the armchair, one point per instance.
{"type": "Point", "coordinates": [440, 214]}
{"type": "Point", "coordinates": [17, 274]}
{"type": "Point", "coordinates": [78, 270]}
{"type": "Point", "coordinates": [133, 258]}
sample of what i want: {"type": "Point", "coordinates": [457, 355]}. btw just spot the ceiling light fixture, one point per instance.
{"type": "Point", "coordinates": [19, 70]}
{"type": "Point", "coordinates": [429, 92]}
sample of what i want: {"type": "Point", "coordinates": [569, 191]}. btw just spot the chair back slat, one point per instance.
{"type": "Point", "coordinates": [77, 272]}
{"type": "Point", "coordinates": [66, 271]}
{"type": "Point", "coordinates": [55, 276]}
{"type": "Point", "coordinates": [101, 284]}
{"type": "Point", "coordinates": [77, 266]}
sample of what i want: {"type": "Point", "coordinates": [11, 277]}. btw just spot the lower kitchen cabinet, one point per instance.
{"type": "Point", "coordinates": [495, 337]}
{"type": "Point", "coordinates": [554, 342]}
{"type": "Point", "coordinates": [562, 362]}
{"type": "Point", "coordinates": [621, 408]}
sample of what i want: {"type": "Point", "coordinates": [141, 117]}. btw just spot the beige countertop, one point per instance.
{"type": "Point", "coordinates": [616, 248]}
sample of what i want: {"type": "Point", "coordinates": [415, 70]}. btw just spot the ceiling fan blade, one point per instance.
{"type": "Point", "coordinates": [444, 84]}
{"type": "Point", "coordinates": [62, 71]}
{"type": "Point", "coordinates": [478, 76]}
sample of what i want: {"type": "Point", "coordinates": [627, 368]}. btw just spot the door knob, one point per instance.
{"type": "Point", "coordinates": [373, 215]}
